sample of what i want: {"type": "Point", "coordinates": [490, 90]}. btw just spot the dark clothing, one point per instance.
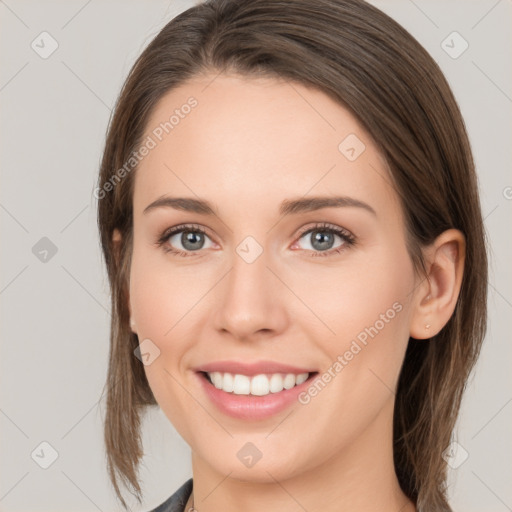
{"type": "Point", "coordinates": [177, 502]}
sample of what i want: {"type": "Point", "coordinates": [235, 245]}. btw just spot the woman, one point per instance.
{"type": "Point", "coordinates": [290, 220]}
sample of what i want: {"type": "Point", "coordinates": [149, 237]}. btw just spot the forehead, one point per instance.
{"type": "Point", "coordinates": [223, 137]}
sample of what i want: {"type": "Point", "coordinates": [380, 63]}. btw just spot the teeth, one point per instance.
{"type": "Point", "coordinates": [258, 385]}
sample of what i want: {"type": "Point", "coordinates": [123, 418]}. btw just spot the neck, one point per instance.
{"type": "Point", "coordinates": [359, 477]}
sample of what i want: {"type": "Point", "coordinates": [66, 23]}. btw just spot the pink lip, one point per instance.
{"type": "Point", "coordinates": [251, 407]}
{"type": "Point", "coordinates": [251, 369]}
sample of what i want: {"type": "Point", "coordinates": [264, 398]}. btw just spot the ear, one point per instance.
{"type": "Point", "coordinates": [435, 298]}
{"type": "Point", "coordinates": [116, 239]}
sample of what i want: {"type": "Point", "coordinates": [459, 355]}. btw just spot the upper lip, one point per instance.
{"type": "Point", "coordinates": [250, 369]}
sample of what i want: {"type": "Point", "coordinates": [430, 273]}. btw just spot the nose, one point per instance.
{"type": "Point", "coordinates": [251, 300]}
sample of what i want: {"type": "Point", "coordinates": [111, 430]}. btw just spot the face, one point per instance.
{"type": "Point", "coordinates": [300, 267]}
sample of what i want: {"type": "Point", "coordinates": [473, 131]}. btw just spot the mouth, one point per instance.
{"type": "Point", "coordinates": [253, 391]}
{"type": "Point", "coordinates": [256, 385]}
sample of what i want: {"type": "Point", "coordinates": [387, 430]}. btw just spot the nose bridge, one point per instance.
{"type": "Point", "coordinates": [250, 300]}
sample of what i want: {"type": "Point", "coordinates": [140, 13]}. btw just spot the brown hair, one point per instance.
{"type": "Point", "coordinates": [372, 66]}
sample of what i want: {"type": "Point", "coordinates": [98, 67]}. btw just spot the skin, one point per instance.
{"type": "Point", "coordinates": [247, 146]}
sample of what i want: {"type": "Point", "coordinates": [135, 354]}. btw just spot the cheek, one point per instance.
{"type": "Point", "coordinates": [159, 295]}
{"type": "Point", "coordinates": [369, 312]}
{"type": "Point", "coordinates": [162, 305]}
{"type": "Point", "coordinates": [366, 292]}
{"type": "Point", "coordinates": [364, 306]}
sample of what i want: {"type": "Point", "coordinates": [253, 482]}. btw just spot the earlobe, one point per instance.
{"type": "Point", "coordinates": [116, 239]}
{"type": "Point", "coordinates": [116, 245]}
{"type": "Point", "coordinates": [436, 297]}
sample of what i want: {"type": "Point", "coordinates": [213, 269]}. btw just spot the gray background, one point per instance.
{"type": "Point", "coordinates": [55, 307]}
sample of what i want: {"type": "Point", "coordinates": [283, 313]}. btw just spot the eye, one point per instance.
{"type": "Point", "coordinates": [321, 239]}
{"type": "Point", "coordinates": [190, 237]}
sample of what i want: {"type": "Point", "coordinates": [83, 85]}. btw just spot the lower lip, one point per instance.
{"type": "Point", "coordinates": [252, 407]}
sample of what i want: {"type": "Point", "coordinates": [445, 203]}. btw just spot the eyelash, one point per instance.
{"type": "Point", "coordinates": [347, 237]}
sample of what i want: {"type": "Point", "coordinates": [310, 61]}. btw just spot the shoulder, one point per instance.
{"type": "Point", "coordinates": [176, 503]}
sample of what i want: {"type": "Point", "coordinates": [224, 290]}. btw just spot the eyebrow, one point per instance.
{"type": "Point", "coordinates": [288, 206]}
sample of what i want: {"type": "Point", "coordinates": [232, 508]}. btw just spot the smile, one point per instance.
{"type": "Point", "coordinates": [258, 385]}
{"type": "Point", "coordinates": [256, 397]}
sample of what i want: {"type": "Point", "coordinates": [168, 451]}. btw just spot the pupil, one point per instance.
{"type": "Point", "coordinates": [190, 240]}
{"type": "Point", "coordinates": [325, 240]}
